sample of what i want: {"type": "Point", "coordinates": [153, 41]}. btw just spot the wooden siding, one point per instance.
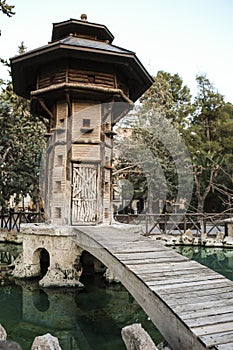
{"type": "Point", "coordinates": [46, 79]}
{"type": "Point", "coordinates": [62, 113]}
{"type": "Point", "coordinates": [74, 75]}
{"type": "Point", "coordinates": [86, 111]}
{"type": "Point", "coordinates": [85, 153]}
{"type": "Point", "coordinates": [91, 77]}
{"type": "Point", "coordinates": [108, 157]}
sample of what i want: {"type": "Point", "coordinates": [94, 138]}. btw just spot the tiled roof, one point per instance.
{"type": "Point", "coordinates": [93, 44]}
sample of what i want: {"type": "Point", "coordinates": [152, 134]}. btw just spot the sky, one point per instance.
{"type": "Point", "coordinates": [187, 37]}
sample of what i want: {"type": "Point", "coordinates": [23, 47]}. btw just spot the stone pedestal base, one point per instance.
{"type": "Point", "coordinates": [23, 270]}
{"type": "Point", "coordinates": [56, 277]}
{"type": "Point", "coordinates": [50, 252]}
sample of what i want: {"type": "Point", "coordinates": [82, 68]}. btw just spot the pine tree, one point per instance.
{"type": "Point", "coordinates": [209, 139]}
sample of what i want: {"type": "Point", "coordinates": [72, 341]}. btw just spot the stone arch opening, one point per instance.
{"type": "Point", "coordinates": [90, 264]}
{"type": "Point", "coordinates": [44, 261]}
{"type": "Point", "coordinates": [41, 258]}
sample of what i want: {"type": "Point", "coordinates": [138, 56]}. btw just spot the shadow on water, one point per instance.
{"type": "Point", "coordinates": [84, 320]}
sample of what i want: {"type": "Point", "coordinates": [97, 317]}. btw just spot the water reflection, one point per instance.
{"type": "Point", "coordinates": [88, 319]}
{"type": "Point", "coordinates": [218, 259]}
{"type": "Point", "coordinates": [8, 253]}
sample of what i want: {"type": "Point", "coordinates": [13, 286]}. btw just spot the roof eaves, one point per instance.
{"type": "Point", "coordinates": [85, 23]}
{"type": "Point", "coordinates": [33, 52]}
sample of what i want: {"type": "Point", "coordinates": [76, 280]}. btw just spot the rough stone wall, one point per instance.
{"type": "Point", "coordinates": [63, 254]}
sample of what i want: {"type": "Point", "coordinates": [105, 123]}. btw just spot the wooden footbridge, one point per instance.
{"type": "Point", "coordinates": [191, 305]}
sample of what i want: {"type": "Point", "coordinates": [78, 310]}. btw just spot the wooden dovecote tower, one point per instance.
{"type": "Point", "coordinates": [82, 85]}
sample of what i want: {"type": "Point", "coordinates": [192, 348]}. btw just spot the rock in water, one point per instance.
{"type": "Point", "coordinates": [135, 337]}
{"type": "Point", "coordinates": [46, 342]}
{"type": "Point", "coordinates": [3, 334]}
{"type": "Point", "coordinates": [9, 345]}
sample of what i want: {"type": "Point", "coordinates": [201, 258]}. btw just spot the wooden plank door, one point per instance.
{"type": "Point", "coordinates": [84, 194]}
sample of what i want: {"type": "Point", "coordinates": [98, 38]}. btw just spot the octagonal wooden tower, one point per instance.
{"type": "Point", "coordinates": [82, 85]}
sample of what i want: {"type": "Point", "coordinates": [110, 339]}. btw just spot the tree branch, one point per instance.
{"type": "Point", "coordinates": [2, 160]}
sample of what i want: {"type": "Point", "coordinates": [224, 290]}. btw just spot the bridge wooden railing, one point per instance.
{"type": "Point", "coordinates": [11, 220]}
{"type": "Point", "coordinates": [209, 223]}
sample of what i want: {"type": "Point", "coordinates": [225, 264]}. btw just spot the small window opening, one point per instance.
{"type": "Point", "coordinates": [106, 187]}
{"type": "Point", "coordinates": [59, 159]}
{"type": "Point", "coordinates": [91, 79]}
{"type": "Point", "coordinates": [61, 121]}
{"type": "Point", "coordinates": [52, 78]}
{"type": "Point", "coordinates": [106, 213]}
{"type": "Point", "coordinates": [86, 123]}
{"type": "Point", "coordinates": [58, 213]}
{"type": "Point", "coordinates": [58, 186]}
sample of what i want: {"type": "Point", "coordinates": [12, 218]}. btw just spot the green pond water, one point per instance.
{"type": "Point", "coordinates": [88, 319]}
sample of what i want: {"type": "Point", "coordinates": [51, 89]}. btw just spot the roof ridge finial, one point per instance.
{"type": "Point", "coordinates": [83, 17]}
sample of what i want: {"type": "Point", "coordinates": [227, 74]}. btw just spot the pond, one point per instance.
{"type": "Point", "coordinates": [90, 319]}
{"type": "Point", "coordinates": [87, 319]}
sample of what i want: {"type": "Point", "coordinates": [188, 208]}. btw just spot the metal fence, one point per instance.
{"type": "Point", "coordinates": [11, 220]}
{"type": "Point", "coordinates": [207, 223]}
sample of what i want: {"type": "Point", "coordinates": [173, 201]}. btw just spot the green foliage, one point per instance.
{"type": "Point", "coordinates": [209, 139]}
{"type": "Point", "coordinates": [170, 97]}
{"type": "Point", "coordinates": [206, 127]}
{"type": "Point", "coordinates": [21, 144]}
{"type": "Point", "coordinates": [154, 149]}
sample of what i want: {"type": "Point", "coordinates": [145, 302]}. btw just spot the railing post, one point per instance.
{"type": "Point", "coordinates": [204, 223]}
{"type": "Point", "coordinates": [10, 220]}
{"type": "Point", "coordinates": [165, 224]}
{"type": "Point", "coordinates": [20, 218]}
{"type": "Point", "coordinates": [1, 218]}
{"type": "Point", "coordinates": [147, 229]}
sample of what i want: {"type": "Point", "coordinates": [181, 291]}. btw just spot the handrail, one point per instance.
{"type": "Point", "coordinates": [208, 223]}
{"type": "Point", "coordinates": [11, 220]}
{"type": "Point", "coordinates": [151, 223]}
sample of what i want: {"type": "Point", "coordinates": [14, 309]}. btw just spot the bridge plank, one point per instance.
{"type": "Point", "coordinates": [151, 278]}
{"type": "Point", "coordinates": [185, 284]}
{"type": "Point", "coordinates": [228, 346]}
{"type": "Point", "coordinates": [173, 266]}
{"type": "Point", "coordinates": [217, 310]}
{"type": "Point", "coordinates": [198, 293]}
{"type": "Point", "coordinates": [183, 309]}
{"type": "Point", "coordinates": [209, 319]}
{"type": "Point", "coordinates": [194, 288]}
{"type": "Point", "coordinates": [194, 300]}
{"type": "Point", "coordinates": [154, 267]}
{"type": "Point", "coordinates": [213, 328]}
{"type": "Point", "coordinates": [219, 338]}
{"type": "Point", "coordinates": [170, 275]}
{"type": "Point", "coordinates": [176, 281]}
{"type": "Point", "coordinates": [142, 255]}
{"type": "Point", "coordinates": [156, 259]}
